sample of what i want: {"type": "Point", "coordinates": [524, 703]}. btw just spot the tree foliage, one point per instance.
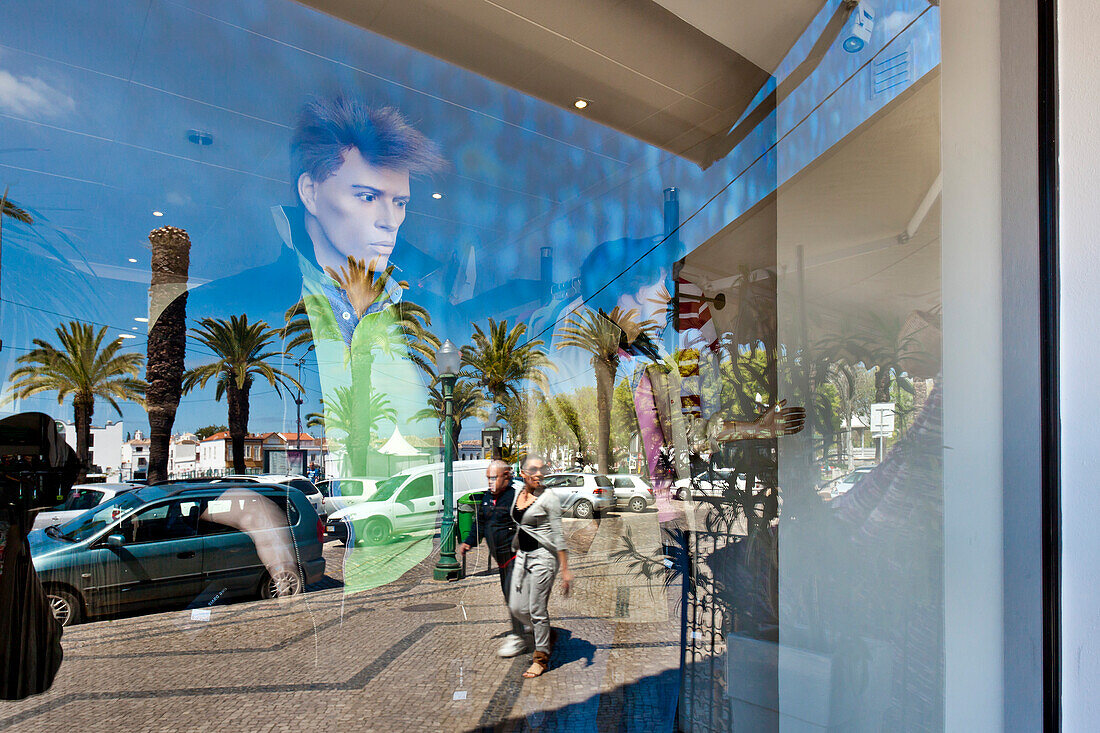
{"type": "Point", "coordinates": [84, 368]}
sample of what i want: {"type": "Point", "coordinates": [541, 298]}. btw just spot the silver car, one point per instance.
{"type": "Point", "coordinates": [844, 484]}
{"type": "Point", "coordinates": [301, 483]}
{"type": "Point", "coordinates": [582, 494]}
{"type": "Point", "coordinates": [81, 498]}
{"type": "Point", "coordinates": [340, 493]}
{"type": "Point", "coordinates": [632, 492]}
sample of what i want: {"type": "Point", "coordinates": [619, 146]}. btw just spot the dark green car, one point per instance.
{"type": "Point", "coordinates": [179, 544]}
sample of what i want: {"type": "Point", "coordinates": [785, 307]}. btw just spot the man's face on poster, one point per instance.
{"type": "Point", "coordinates": [357, 211]}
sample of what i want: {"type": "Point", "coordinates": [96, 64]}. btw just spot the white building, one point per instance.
{"type": "Point", "coordinates": [134, 458]}
{"type": "Point", "coordinates": [215, 454]}
{"type": "Point", "coordinates": [183, 455]}
{"type": "Point", "coordinates": [104, 446]}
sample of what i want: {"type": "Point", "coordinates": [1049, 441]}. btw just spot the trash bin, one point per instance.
{"type": "Point", "coordinates": [467, 512]}
{"type": "Point", "coordinates": [464, 519]}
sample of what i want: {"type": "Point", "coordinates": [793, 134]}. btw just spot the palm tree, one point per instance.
{"type": "Point", "coordinates": [501, 362]}
{"type": "Point", "coordinates": [467, 403]}
{"type": "Point", "coordinates": [9, 209]}
{"type": "Point", "coordinates": [167, 345]}
{"type": "Point", "coordinates": [242, 356]}
{"type": "Point", "coordinates": [338, 413]}
{"type": "Point", "coordinates": [405, 324]}
{"type": "Point", "coordinates": [398, 330]}
{"type": "Point", "coordinates": [601, 334]}
{"type": "Point", "coordinates": [83, 367]}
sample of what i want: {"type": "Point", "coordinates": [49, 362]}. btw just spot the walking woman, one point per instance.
{"type": "Point", "coordinates": [540, 556]}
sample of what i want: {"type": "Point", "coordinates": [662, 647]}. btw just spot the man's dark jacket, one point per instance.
{"type": "Point", "coordinates": [495, 524]}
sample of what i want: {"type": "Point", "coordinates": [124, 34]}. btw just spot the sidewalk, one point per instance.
{"type": "Point", "coordinates": [410, 655]}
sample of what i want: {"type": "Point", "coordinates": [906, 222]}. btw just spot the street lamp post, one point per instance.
{"type": "Point", "coordinates": [447, 362]}
{"type": "Point", "coordinates": [298, 422]}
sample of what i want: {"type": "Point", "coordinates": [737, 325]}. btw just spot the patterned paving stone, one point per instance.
{"type": "Point", "coordinates": [410, 654]}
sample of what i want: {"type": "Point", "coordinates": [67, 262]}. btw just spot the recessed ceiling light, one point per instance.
{"type": "Point", "coordinates": [437, 195]}
{"type": "Point", "coordinates": [134, 328]}
{"type": "Point", "coordinates": [132, 259]}
{"type": "Point", "coordinates": [200, 137]}
{"type": "Point", "coordinates": [158, 213]}
{"type": "Point", "coordinates": [580, 103]}
{"type": "Point", "coordinates": [127, 336]}
{"type": "Point", "coordinates": [141, 319]}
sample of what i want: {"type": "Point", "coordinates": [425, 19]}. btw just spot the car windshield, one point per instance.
{"type": "Point", "coordinates": [306, 487]}
{"type": "Point", "coordinates": [387, 488]}
{"type": "Point", "coordinates": [81, 499]}
{"type": "Point", "coordinates": [87, 524]}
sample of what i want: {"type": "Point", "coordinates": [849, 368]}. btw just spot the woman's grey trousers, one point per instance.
{"type": "Point", "coordinates": [532, 581]}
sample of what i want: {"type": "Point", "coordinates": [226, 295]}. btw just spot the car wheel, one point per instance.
{"type": "Point", "coordinates": [637, 504]}
{"type": "Point", "coordinates": [281, 583]}
{"type": "Point", "coordinates": [64, 606]}
{"type": "Point", "coordinates": [375, 532]}
{"type": "Point", "coordinates": [583, 509]}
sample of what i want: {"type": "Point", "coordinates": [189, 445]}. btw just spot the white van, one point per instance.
{"type": "Point", "coordinates": [410, 501]}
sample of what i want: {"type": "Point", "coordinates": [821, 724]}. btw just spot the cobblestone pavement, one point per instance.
{"type": "Point", "coordinates": [408, 655]}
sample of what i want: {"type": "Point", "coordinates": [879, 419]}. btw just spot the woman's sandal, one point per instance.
{"type": "Point", "coordinates": [539, 666]}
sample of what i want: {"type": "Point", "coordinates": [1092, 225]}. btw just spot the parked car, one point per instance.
{"type": "Point", "coordinates": [582, 494]}
{"type": "Point", "coordinates": [169, 544]}
{"type": "Point", "coordinates": [710, 484]}
{"type": "Point", "coordinates": [340, 493]}
{"type": "Point", "coordinates": [301, 483]}
{"type": "Point", "coordinates": [632, 492]}
{"type": "Point", "coordinates": [80, 499]}
{"type": "Point", "coordinates": [845, 483]}
{"type": "Point", "coordinates": [410, 501]}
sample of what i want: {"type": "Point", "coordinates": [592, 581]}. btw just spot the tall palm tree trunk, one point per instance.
{"type": "Point", "coordinates": [604, 387]}
{"type": "Point", "coordinates": [83, 407]}
{"type": "Point", "coordinates": [238, 422]}
{"type": "Point", "coordinates": [167, 345]}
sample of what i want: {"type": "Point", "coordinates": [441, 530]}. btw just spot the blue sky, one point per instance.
{"type": "Point", "coordinates": [93, 138]}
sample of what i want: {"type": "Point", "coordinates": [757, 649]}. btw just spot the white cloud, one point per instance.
{"type": "Point", "coordinates": [894, 22]}
{"type": "Point", "coordinates": [29, 96]}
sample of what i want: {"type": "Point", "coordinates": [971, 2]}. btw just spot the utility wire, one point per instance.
{"type": "Point", "coordinates": [741, 173]}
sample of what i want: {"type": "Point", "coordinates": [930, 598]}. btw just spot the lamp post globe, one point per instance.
{"type": "Point", "coordinates": [447, 363]}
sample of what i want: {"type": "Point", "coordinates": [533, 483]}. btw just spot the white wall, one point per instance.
{"type": "Point", "coordinates": [1079, 249]}
{"type": "Point", "coordinates": [106, 449]}
{"type": "Point", "coordinates": [1021, 455]}
{"type": "Point", "coordinates": [973, 544]}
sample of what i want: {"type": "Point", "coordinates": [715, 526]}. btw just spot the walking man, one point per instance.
{"type": "Point", "coordinates": [495, 524]}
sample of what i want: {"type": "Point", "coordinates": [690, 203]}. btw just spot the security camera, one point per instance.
{"type": "Point", "coordinates": [859, 28]}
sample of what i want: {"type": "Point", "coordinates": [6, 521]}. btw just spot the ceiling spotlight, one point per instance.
{"type": "Point", "coordinates": [158, 213]}
{"type": "Point", "coordinates": [127, 336]}
{"type": "Point", "coordinates": [437, 195]}
{"type": "Point", "coordinates": [580, 103]}
{"type": "Point", "coordinates": [141, 319]}
{"type": "Point", "coordinates": [200, 137]}
{"type": "Point", "coordinates": [133, 260]}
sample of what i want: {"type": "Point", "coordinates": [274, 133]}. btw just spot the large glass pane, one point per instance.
{"type": "Point", "coordinates": [703, 256]}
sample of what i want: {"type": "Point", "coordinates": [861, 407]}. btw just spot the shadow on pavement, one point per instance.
{"type": "Point", "coordinates": [647, 704]}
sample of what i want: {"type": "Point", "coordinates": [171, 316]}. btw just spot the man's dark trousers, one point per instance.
{"type": "Point", "coordinates": [494, 524]}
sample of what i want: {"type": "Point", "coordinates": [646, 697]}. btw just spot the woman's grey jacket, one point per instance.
{"type": "Point", "coordinates": [542, 520]}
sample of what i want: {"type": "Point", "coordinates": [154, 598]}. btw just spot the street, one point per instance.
{"type": "Point", "coordinates": [392, 650]}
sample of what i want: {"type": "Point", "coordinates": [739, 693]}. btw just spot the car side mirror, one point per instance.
{"type": "Point", "coordinates": [115, 540]}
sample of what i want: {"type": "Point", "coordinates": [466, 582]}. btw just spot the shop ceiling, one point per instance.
{"type": "Point", "coordinates": [866, 242]}
{"type": "Point", "coordinates": [674, 73]}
